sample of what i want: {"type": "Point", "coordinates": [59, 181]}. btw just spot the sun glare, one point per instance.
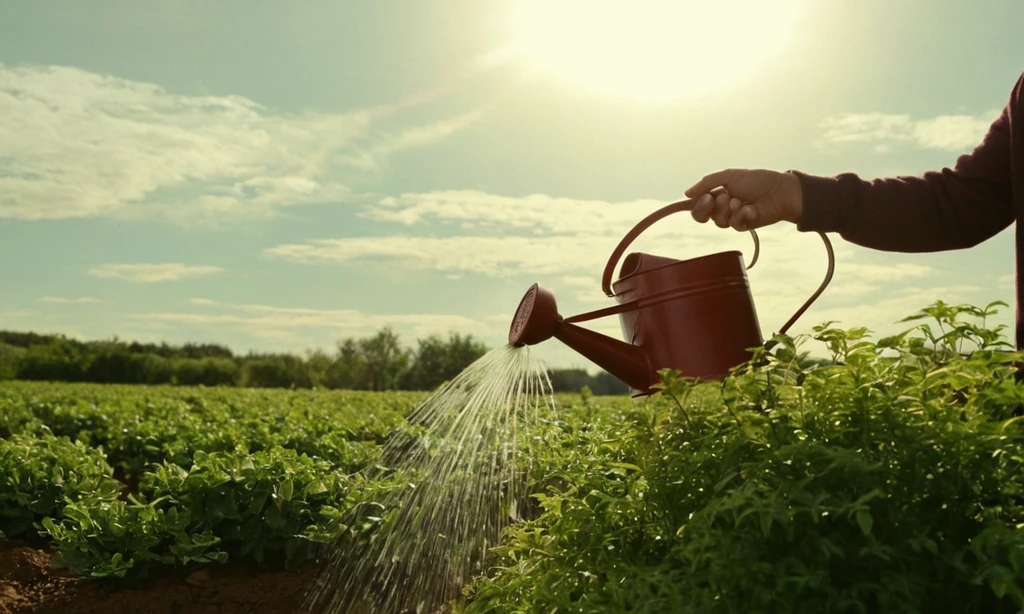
{"type": "Point", "coordinates": [651, 49]}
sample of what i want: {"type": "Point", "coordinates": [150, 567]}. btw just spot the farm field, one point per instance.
{"type": "Point", "coordinates": [155, 498]}
{"type": "Point", "coordinates": [887, 481]}
{"type": "Point", "coordinates": [216, 495]}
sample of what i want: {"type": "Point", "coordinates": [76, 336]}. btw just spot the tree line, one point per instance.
{"type": "Point", "coordinates": [376, 362]}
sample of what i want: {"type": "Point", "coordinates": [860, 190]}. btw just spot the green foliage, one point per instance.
{"type": "Point", "coordinates": [41, 474]}
{"type": "Point", "coordinates": [888, 480]}
{"type": "Point", "coordinates": [276, 371]}
{"type": "Point", "coordinates": [10, 360]}
{"type": "Point", "coordinates": [206, 372]}
{"type": "Point", "coordinates": [274, 503]}
{"type": "Point", "coordinates": [886, 477]}
{"type": "Point", "coordinates": [54, 361]}
{"type": "Point", "coordinates": [437, 361]}
{"type": "Point", "coordinates": [212, 474]}
{"type": "Point", "coordinates": [274, 507]}
{"type": "Point", "coordinates": [118, 539]}
{"type": "Point", "coordinates": [384, 360]}
{"type": "Point", "coordinates": [139, 427]}
{"type": "Point", "coordinates": [377, 362]}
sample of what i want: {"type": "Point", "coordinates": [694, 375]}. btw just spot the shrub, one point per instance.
{"type": "Point", "coordinates": [887, 480]}
{"type": "Point", "coordinates": [39, 475]}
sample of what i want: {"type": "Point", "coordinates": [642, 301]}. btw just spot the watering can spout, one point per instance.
{"type": "Point", "coordinates": [537, 320]}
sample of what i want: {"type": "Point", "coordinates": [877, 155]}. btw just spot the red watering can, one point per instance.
{"type": "Point", "coordinates": [696, 316]}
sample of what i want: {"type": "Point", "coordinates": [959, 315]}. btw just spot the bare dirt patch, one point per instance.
{"type": "Point", "coordinates": [28, 583]}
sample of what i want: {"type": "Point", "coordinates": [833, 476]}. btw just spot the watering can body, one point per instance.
{"type": "Point", "coordinates": [696, 316]}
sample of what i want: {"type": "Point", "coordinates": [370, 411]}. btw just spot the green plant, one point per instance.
{"type": "Point", "coordinates": [887, 481]}
{"type": "Point", "coordinates": [274, 504]}
{"type": "Point", "coordinates": [259, 475]}
{"type": "Point", "coordinates": [40, 474]}
{"type": "Point", "coordinates": [125, 540]}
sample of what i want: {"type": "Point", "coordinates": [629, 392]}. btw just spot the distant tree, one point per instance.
{"type": "Point", "coordinates": [26, 340]}
{"type": "Point", "coordinates": [386, 360]}
{"type": "Point", "coordinates": [206, 372]}
{"type": "Point", "coordinates": [318, 364]}
{"type": "Point", "coordinates": [114, 363]}
{"type": "Point", "coordinates": [376, 362]}
{"type": "Point", "coordinates": [574, 380]}
{"type": "Point", "coordinates": [157, 369]}
{"type": "Point", "coordinates": [205, 350]}
{"type": "Point", "coordinates": [58, 360]}
{"type": "Point", "coordinates": [605, 383]}
{"type": "Point", "coordinates": [10, 360]}
{"type": "Point", "coordinates": [568, 380]}
{"type": "Point", "coordinates": [275, 371]}
{"type": "Point", "coordinates": [437, 361]}
{"type": "Point", "coordinates": [349, 369]}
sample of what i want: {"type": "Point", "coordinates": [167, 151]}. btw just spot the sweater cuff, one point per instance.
{"type": "Point", "coordinates": [820, 203]}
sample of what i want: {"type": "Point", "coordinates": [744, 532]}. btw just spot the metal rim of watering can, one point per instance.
{"type": "Point", "coordinates": [686, 205]}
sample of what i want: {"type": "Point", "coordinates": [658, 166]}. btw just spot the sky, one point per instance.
{"type": "Point", "coordinates": [276, 176]}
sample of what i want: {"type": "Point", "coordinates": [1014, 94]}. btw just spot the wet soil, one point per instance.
{"type": "Point", "coordinates": [28, 583]}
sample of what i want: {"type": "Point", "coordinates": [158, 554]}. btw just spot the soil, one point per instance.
{"type": "Point", "coordinates": [29, 584]}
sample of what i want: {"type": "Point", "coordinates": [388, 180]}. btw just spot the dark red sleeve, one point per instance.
{"type": "Point", "coordinates": [940, 210]}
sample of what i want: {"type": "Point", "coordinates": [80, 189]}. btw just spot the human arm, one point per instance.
{"type": "Point", "coordinates": [940, 210]}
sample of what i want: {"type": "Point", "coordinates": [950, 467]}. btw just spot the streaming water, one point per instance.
{"type": "Point", "coordinates": [463, 448]}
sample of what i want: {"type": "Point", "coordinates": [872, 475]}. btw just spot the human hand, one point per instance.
{"type": "Point", "coordinates": [745, 199]}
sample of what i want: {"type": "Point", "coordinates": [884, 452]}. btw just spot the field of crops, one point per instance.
{"type": "Point", "coordinates": [889, 481]}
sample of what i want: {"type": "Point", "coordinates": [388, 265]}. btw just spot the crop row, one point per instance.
{"type": "Point", "coordinates": [125, 478]}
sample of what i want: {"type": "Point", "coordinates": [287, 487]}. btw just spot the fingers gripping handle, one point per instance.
{"type": "Point", "coordinates": [644, 224]}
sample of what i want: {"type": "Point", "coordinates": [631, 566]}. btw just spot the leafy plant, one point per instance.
{"type": "Point", "coordinates": [887, 481]}
{"type": "Point", "coordinates": [274, 504]}
{"type": "Point", "coordinates": [125, 540]}
{"type": "Point", "coordinates": [41, 474]}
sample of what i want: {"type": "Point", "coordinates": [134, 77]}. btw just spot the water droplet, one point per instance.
{"type": "Point", "coordinates": [465, 462]}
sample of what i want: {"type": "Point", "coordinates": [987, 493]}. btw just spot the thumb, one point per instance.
{"type": "Point", "coordinates": [709, 182]}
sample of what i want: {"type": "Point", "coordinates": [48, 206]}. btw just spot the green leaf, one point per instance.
{"type": "Point", "coordinates": [864, 521]}
{"type": "Point", "coordinates": [628, 466]}
{"type": "Point", "coordinates": [285, 490]}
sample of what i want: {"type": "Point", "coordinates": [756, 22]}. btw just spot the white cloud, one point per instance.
{"type": "Point", "coordinates": [537, 213]}
{"type": "Point", "coordinates": [151, 273]}
{"type": "Point", "coordinates": [562, 239]}
{"type": "Point", "coordinates": [539, 234]}
{"type": "Point", "coordinates": [944, 132]}
{"type": "Point", "coordinates": [564, 244]}
{"type": "Point", "coordinates": [77, 144]}
{"type": "Point", "coordinates": [59, 300]}
{"type": "Point", "coordinates": [290, 323]}
{"type": "Point", "coordinates": [422, 135]}
{"type": "Point", "coordinates": [203, 302]}
{"type": "Point", "coordinates": [495, 256]}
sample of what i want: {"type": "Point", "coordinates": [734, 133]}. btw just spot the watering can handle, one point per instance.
{"type": "Point", "coordinates": [686, 205]}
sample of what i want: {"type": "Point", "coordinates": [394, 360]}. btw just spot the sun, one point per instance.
{"type": "Point", "coordinates": [650, 49]}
